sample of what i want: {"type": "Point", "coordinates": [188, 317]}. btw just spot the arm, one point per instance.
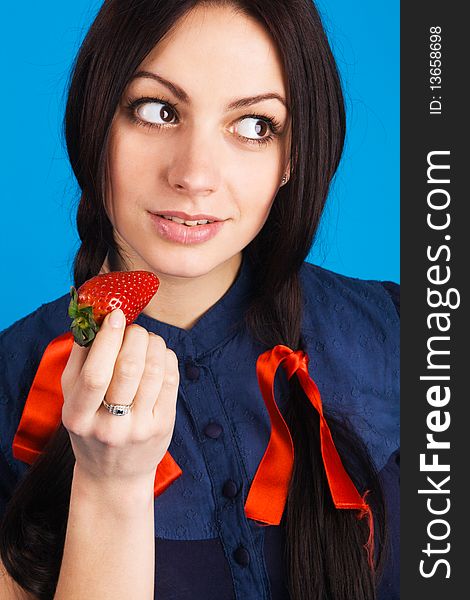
{"type": "Point", "coordinates": [109, 548]}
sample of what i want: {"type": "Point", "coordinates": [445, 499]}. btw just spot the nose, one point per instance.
{"type": "Point", "coordinates": [194, 170]}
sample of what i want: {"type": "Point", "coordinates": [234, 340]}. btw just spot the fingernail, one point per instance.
{"type": "Point", "coordinates": [116, 318]}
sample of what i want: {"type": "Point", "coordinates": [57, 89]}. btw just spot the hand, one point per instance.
{"type": "Point", "coordinates": [125, 364]}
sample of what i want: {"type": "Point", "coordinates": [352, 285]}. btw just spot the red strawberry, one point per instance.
{"type": "Point", "coordinates": [130, 291]}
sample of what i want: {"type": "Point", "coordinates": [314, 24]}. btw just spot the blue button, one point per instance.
{"type": "Point", "coordinates": [230, 489]}
{"type": "Point", "coordinates": [192, 372]}
{"type": "Point", "coordinates": [242, 556]}
{"type": "Point", "coordinates": [213, 430]}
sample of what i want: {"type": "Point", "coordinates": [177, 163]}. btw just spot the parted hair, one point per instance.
{"type": "Point", "coordinates": [324, 550]}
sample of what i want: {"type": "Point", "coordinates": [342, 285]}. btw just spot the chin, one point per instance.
{"type": "Point", "coordinates": [189, 261]}
{"type": "Point", "coordinates": [185, 266]}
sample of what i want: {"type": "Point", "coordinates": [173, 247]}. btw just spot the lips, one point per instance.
{"type": "Point", "coordinates": [186, 216]}
{"type": "Point", "coordinates": [184, 234]}
{"type": "Point", "coordinates": [188, 223]}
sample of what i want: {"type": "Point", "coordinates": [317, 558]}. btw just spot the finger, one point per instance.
{"type": "Point", "coordinates": [152, 378]}
{"type": "Point", "coordinates": [129, 366]}
{"type": "Point", "coordinates": [165, 407]}
{"type": "Point", "coordinates": [97, 370]}
{"type": "Point", "coordinates": [74, 366]}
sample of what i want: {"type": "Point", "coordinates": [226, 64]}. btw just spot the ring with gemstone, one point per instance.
{"type": "Point", "coordinates": [118, 409]}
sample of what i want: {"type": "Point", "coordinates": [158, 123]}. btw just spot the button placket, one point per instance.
{"type": "Point", "coordinates": [213, 430]}
{"type": "Point", "coordinates": [224, 466]}
{"type": "Point", "coordinates": [242, 556]}
{"type": "Point", "coordinates": [192, 371]}
{"type": "Point", "coordinates": [230, 489]}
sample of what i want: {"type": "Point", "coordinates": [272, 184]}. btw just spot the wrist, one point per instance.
{"type": "Point", "coordinates": [114, 494]}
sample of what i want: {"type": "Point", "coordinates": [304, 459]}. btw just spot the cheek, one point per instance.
{"type": "Point", "coordinates": [255, 209]}
{"type": "Point", "coordinates": [126, 170]}
{"type": "Point", "coordinates": [262, 187]}
{"type": "Point", "coordinates": [265, 173]}
{"type": "Point", "coordinates": [130, 163]}
{"type": "Point", "coordinates": [141, 152]}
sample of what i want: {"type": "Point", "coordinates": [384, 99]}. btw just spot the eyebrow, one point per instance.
{"type": "Point", "coordinates": [183, 96]}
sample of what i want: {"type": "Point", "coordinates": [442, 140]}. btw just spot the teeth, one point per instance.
{"type": "Point", "coordinates": [188, 223]}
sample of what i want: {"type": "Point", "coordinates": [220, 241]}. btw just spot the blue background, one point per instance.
{"type": "Point", "coordinates": [359, 234]}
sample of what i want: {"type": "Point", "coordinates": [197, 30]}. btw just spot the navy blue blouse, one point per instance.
{"type": "Point", "coordinates": [206, 547]}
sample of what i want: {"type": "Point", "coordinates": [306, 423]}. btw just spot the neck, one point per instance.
{"type": "Point", "coordinates": [181, 301]}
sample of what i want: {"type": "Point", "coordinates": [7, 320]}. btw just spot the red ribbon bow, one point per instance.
{"type": "Point", "coordinates": [268, 492]}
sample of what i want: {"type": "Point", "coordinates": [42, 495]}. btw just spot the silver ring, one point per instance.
{"type": "Point", "coordinates": [118, 409]}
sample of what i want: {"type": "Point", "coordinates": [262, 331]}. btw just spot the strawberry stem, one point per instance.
{"type": "Point", "coordinates": [83, 326]}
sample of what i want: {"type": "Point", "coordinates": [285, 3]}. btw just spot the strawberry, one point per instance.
{"type": "Point", "coordinates": [130, 291]}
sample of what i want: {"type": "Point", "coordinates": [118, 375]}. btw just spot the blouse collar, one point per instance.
{"type": "Point", "coordinates": [215, 326]}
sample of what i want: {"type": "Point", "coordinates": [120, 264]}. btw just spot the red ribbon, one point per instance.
{"type": "Point", "coordinates": [267, 496]}
{"type": "Point", "coordinates": [42, 413]}
{"type": "Point", "coordinates": [268, 492]}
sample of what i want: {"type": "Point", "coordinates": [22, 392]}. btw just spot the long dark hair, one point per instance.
{"type": "Point", "coordinates": [325, 554]}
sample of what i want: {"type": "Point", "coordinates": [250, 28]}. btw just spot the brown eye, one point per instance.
{"type": "Point", "coordinates": [155, 112]}
{"type": "Point", "coordinates": [253, 128]}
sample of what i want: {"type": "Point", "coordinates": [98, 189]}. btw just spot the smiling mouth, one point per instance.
{"type": "Point", "coordinates": [177, 230]}
{"type": "Point", "coordinates": [187, 223]}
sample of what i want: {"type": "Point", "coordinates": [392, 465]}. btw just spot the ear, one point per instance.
{"type": "Point", "coordinates": [286, 172]}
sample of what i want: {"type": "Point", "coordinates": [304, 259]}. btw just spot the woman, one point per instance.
{"type": "Point", "coordinates": [228, 112]}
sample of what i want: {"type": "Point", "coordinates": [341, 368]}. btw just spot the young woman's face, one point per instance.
{"type": "Point", "coordinates": [185, 143]}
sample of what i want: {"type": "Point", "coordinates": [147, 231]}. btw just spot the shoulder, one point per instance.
{"type": "Point", "coordinates": [324, 287]}
{"type": "Point", "coordinates": [351, 332]}
{"type": "Point", "coordinates": [22, 345]}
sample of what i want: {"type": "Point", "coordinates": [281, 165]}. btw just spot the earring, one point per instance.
{"type": "Point", "coordinates": [284, 179]}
